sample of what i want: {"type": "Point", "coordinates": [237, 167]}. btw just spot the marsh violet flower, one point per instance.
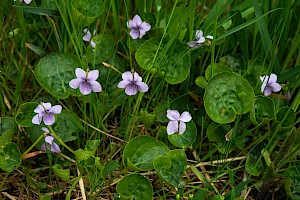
{"type": "Point", "coordinates": [177, 121]}
{"type": "Point", "coordinates": [88, 37]}
{"type": "Point", "coordinates": [200, 40]}
{"type": "Point", "coordinates": [132, 83]}
{"type": "Point", "coordinates": [269, 84]}
{"type": "Point", "coordinates": [52, 146]}
{"type": "Point", "coordinates": [138, 28]}
{"type": "Point", "coordinates": [45, 112]}
{"type": "Point", "coordinates": [86, 81]}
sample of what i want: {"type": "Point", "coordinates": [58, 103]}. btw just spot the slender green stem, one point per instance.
{"type": "Point", "coordinates": [60, 140]}
{"type": "Point", "coordinates": [32, 146]}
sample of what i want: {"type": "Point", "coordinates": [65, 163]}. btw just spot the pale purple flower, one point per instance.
{"type": "Point", "coordinates": [138, 28]}
{"type": "Point", "coordinates": [27, 1]}
{"type": "Point", "coordinates": [46, 113]}
{"type": "Point", "coordinates": [132, 83]}
{"type": "Point", "coordinates": [269, 84]}
{"type": "Point", "coordinates": [86, 81]}
{"type": "Point", "coordinates": [52, 146]}
{"type": "Point", "coordinates": [177, 121]}
{"type": "Point", "coordinates": [88, 37]}
{"type": "Point", "coordinates": [200, 40]}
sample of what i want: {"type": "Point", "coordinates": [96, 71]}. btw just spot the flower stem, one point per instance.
{"type": "Point", "coordinates": [60, 140]}
{"type": "Point", "coordinates": [32, 146]}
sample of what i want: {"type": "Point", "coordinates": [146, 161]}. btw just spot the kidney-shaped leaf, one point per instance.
{"type": "Point", "coordinates": [25, 114]}
{"type": "Point", "coordinates": [7, 130]}
{"type": "Point", "coordinates": [67, 123]}
{"type": "Point", "coordinates": [171, 167]}
{"type": "Point", "coordinates": [263, 109]}
{"type": "Point", "coordinates": [135, 186]}
{"type": "Point", "coordinates": [105, 45]}
{"type": "Point", "coordinates": [226, 95]}
{"type": "Point", "coordinates": [10, 157]}
{"type": "Point", "coordinates": [85, 12]}
{"type": "Point", "coordinates": [186, 139]}
{"type": "Point", "coordinates": [140, 152]}
{"type": "Point", "coordinates": [55, 71]}
{"type": "Point", "coordinates": [174, 63]}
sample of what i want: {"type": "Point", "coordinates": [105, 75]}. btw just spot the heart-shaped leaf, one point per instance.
{"type": "Point", "coordinates": [171, 167]}
{"type": "Point", "coordinates": [55, 71]}
{"type": "Point", "coordinates": [254, 163]}
{"type": "Point", "coordinates": [135, 186]}
{"type": "Point", "coordinates": [263, 110]}
{"type": "Point", "coordinates": [292, 182]}
{"type": "Point", "coordinates": [216, 69]}
{"type": "Point", "coordinates": [25, 114]}
{"type": "Point", "coordinates": [63, 174]}
{"type": "Point", "coordinates": [10, 157]}
{"type": "Point", "coordinates": [7, 130]}
{"type": "Point", "coordinates": [172, 62]}
{"type": "Point", "coordinates": [186, 139]}
{"type": "Point", "coordinates": [226, 95]}
{"type": "Point", "coordinates": [140, 152]}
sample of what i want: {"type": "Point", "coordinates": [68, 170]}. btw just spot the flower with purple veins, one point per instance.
{"type": "Point", "coordinates": [200, 40]}
{"type": "Point", "coordinates": [46, 113]}
{"type": "Point", "coordinates": [269, 84]}
{"type": "Point", "coordinates": [88, 37]}
{"type": "Point", "coordinates": [132, 83]}
{"type": "Point", "coordinates": [177, 121]}
{"type": "Point", "coordinates": [52, 146]}
{"type": "Point", "coordinates": [138, 28]}
{"type": "Point", "coordinates": [86, 81]}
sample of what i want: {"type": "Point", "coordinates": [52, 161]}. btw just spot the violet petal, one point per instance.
{"type": "Point", "coordinates": [173, 115]}
{"type": "Point", "coordinates": [75, 83]}
{"type": "Point", "coordinates": [80, 73]}
{"type": "Point", "coordinates": [273, 78]}
{"type": "Point", "coordinates": [134, 33]}
{"type": "Point", "coordinates": [137, 19]}
{"type": "Point", "coordinates": [54, 148]}
{"type": "Point", "coordinates": [85, 88]}
{"type": "Point", "coordinates": [48, 119]}
{"type": "Point", "coordinates": [49, 139]}
{"type": "Point", "coordinates": [123, 84]}
{"type": "Point", "coordinates": [36, 119]}
{"type": "Point", "coordinates": [93, 75]}
{"type": "Point", "coordinates": [275, 87]}
{"type": "Point", "coordinates": [131, 89]}
{"type": "Point", "coordinates": [127, 76]}
{"type": "Point", "coordinates": [185, 117]}
{"type": "Point", "coordinates": [39, 109]}
{"type": "Point", "coordinates": [172, 127]}
{"type": "Point", "coordinates": [182, 127]}
{"type": "Point", "coordinates": [142, 87]}
{"type": "Point", "coordinates": [267, 91]}
{"type": "Point", "coordinates": [96, 87]}
{"type": "Point", "coordinates": [55, 109]}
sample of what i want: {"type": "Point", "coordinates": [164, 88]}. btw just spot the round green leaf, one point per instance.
{"type": "Point", "coordinates": [55, 71]}
{"type": "Point", "coordinates": [66, 124]}
{"type": "Point", "coordinates": [7, 130]}
{"type": "Point", "coordinates": [171, 167]}
{"type": "Point", "coordinates": [172, 63]}
{"type": "Point", "coordinates": [82, 155]}
{"type": "Point", "coordinates": [292, 182]}
{"type": "Point", "coordinates": [63, 174]}
{"type": "Point", "coordinates": [216, 69]}
{"type": "Point", "coordinates": [104, 49]}
{"type": "Point", "coordinates": [147, 118]}
{"type": "Point", "coordinates": [226, 95]}
{"type": "Point", "coordinates": [85, 12]}
{"type": "Point", "coordinates": [135, 187]}
{"type": "Point", "coordinates": [216, 132]}
{"type": "Point", "coordinates": [254, 162]}
{"type": "Point", "coordinates": [186, 139]}
{"type": "Point", "coordinates": [201, 82]}
{"type": "Point", "coordinates": [286, 117]}
{"type": "Point", "coordinates": [25, 114]}
{"type": "Point", "coordinates": [263, 109]}
{"type": "Point", "coordinates": [10, 157]}
{"type": "Point", "coordinates": [140, 152]}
